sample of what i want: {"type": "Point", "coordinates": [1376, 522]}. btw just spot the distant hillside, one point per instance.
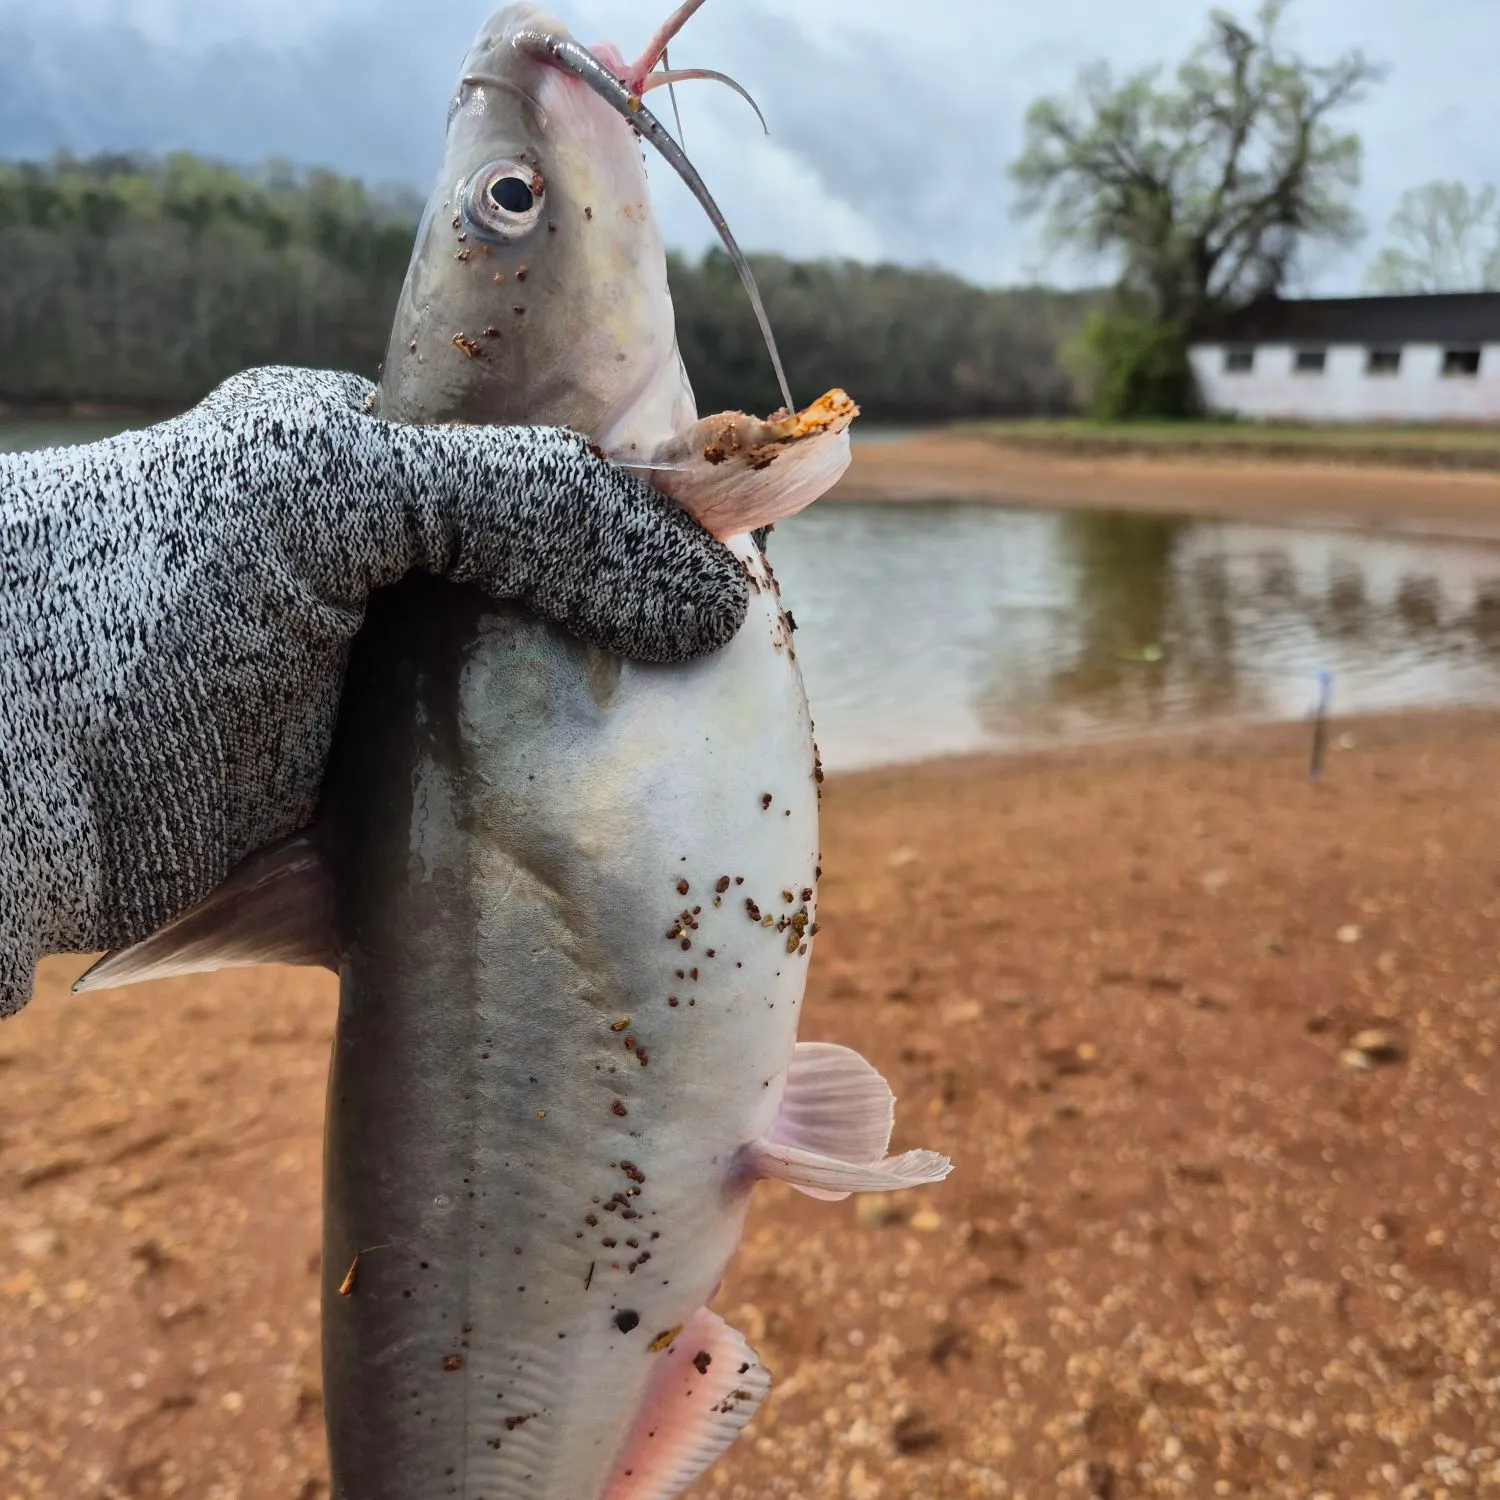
{"type": "Point", "coordinates": [143, 282]}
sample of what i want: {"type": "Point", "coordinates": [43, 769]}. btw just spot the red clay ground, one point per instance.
{"type": "Point", "coordinates": [1214, 1051]}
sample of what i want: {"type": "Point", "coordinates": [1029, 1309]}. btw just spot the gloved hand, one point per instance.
{"type": "Point", "coordinates": [176, 607]}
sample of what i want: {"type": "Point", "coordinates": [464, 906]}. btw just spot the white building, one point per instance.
{"type": "Point", "coordinates": [1356, 359]}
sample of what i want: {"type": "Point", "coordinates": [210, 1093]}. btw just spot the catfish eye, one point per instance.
{"type": "Point", "coordinates": [503, 200]}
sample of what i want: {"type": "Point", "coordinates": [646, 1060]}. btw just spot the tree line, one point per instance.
{"type": "Point", "coordinates": [143, 282]}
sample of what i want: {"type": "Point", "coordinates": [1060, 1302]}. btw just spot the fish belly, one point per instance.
{"type": "Point", "coordinates": [577, 933]}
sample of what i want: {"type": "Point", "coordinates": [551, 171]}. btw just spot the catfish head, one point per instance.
{"type": "Point", "coordinates": [537, 291]}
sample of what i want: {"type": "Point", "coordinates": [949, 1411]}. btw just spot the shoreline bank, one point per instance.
{"type": "Point", "coordinates": [958, 466]}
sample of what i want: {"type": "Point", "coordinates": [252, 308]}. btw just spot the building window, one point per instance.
{"type": "Point", "coordinates": [1310, 361]}
{"type": "Point", "coordinates": [1383, 362]}
{"type": "Point", "coordinates": [1460, 361]}
{"type": "Point", "coordinates": [1239, 361]}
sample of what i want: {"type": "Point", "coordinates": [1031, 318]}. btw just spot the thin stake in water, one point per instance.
{"type": "Point", "coordinates": [1320, 725]}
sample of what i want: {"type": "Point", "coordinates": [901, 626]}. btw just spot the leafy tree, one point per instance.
{"type": "Point", "coordinates": [1202, 189]}
{"type": "Point", "coordinates": [1124, 365]}
{"type": "Point", "coordinates": [1447, 240]}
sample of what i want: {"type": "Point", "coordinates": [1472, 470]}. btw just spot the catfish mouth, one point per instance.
{"type": "Point", "coordinates": [566, 55]}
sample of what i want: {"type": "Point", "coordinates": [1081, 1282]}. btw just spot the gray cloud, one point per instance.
{"type": "Point", "coordinates": [893, 121]}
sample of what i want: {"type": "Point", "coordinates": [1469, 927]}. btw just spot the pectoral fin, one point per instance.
{"type": "Point", "coordinates": [706, 1386]}
{"type": "Point", "coordinates": [737, 473]}
{"type": "Point", "coordinates": [275, 908]}
{"type": "Point", "coordinates": [835, 1123]}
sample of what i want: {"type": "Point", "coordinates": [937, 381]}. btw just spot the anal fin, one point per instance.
{"type": "Point", "coordinates": [831, 1136]}
{"type": "Point", "coordinates": [706, 1386]}
{"type": "Point", "coordinates": [275, 908]}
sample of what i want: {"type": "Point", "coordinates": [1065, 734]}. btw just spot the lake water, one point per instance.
{"type": "Point", "coordinates": [19, 433]}
{"type": "Point", "coordinates": [935, 629]}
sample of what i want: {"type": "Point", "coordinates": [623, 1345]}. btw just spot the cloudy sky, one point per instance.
{"type": "Point", "coordinates": [892, 120]}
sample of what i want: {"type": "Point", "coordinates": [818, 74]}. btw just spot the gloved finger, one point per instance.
{"type": "Point", "coordinates": [540, 517]}
{"type": "Point", "coordinates": [298, 395]}
{"type": "Point", "coordinates": [527, 513]}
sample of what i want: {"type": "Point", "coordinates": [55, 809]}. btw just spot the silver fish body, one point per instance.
{"type": "Point", "coordinates": [557, 1037]}
{"type": "Point", "coordinates": [571, 899]}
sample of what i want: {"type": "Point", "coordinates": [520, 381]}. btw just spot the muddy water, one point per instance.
{"type": "Point", "coordinates": [19, 433]}
{"type": "Point", "coordinates": [936, 629]}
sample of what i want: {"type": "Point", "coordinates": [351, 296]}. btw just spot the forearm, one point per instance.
{"type": "Point", "coordinates": [99, 705]}
{"type": "Point", "coordinates": [49, 857]}
{"type": "Point", "coordinates": [133, 670]}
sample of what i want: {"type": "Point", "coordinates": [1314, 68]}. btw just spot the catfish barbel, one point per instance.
{"type": "Point", "coordinates": [571, 899]}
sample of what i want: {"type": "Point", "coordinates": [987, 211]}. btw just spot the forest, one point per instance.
{"type": "Point", "coordinates": [141, 282]}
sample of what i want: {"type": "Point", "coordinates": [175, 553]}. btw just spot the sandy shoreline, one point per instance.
{"type": "Point", "coordinates": [945, 466]}
{"type": "Point", "coordinates": [1214, 1050]}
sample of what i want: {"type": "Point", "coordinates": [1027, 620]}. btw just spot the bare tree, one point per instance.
{"type": "Point", "coordinates": [1203, 189]}
{"type": "Point", "coordinates": [1447, 240]}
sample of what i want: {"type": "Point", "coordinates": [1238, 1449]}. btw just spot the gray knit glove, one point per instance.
{"type": "Point", "coordinates": [176, 607]}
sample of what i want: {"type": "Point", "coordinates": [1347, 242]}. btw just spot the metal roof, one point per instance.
{"type": "Point", "coordinates": [1452, 318]}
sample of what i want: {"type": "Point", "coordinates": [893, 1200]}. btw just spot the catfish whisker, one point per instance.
{"type": "Point", "coordinates": [684, 75]}
{"type": "Point", "coordinates": [566, 55]}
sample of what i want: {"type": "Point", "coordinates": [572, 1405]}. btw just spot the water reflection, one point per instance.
{"type": "Point", "coordinates": [1144, 637]}
{"type": "Point", "coordinates": [1417, 602]}
{"type": "Point", "coordinates": [19, 433]}
{"type": "Point", "coordinates": [1122, 570]}
{"type": "Point", "coordinates": [1485, 619]}
{"type": "Point", "coordinates": [937, 629]}
{"type": "Point", "coordinates": [1346, 604]}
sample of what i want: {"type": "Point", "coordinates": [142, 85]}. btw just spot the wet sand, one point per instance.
{"type": "Point", "coordinates": [949, 466]}
{"type": "Point", "coordinates": [1213, 1048]}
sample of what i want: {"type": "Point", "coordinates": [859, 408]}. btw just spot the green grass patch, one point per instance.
{"type": "Point", "coordinates": [1404, 446]}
